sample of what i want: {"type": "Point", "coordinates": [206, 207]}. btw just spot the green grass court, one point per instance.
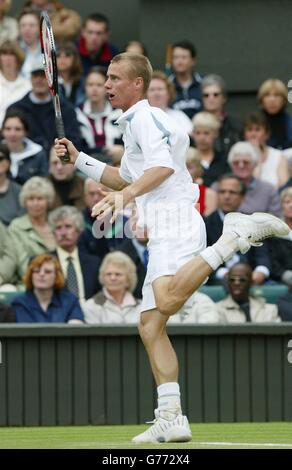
{"type": "Point", "coordinates": [205, 436]}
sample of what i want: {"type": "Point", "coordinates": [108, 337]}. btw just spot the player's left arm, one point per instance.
{"type": "Point", "coordinates": [115, 201]}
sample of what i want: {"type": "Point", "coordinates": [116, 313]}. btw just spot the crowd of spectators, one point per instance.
{"type": "Point", "coordinates": [69, 268]}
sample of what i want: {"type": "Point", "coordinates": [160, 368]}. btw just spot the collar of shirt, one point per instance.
{"type": "Point", "coordinates": [122, 120]}
{"type": "Point", "coordinates": [55, 300]}
{"type": "Point", "coordinates": [128, 300]}
{"type": "Point", "coordinates": [221, 214]}
{"type": "Point", "coordinates": [64, 255]}
{"type": "Point", "coordinates": [36, 100]}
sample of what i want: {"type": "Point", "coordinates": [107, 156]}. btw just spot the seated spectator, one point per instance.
{"type": "Point", "coordinates": [79, 268]}
{"type": "Point", "coordinates": [39, 110]}
{"type": "Point", "coordinates": [214, 99]}
{"type": "Point", "coordinates": [280, 248]}
{"type": "Point", "coordinates": [29, 40]}
{"type": "Point", "coordinates": [260, 195]}
{"type": "Point", "coordinates": [272, 98]}
{"type": "Point", "coordinates": [208, 197]}
{"type": "Point", "coordinates": [161, 93]}
{"type": "Point", "coordinates": [88, 241]}
{"type": "Point", "coordinates": [7, 261]}
{"type": "Point", "coordinates": [66, 23]}
{"type": "Point", "coordinates": [203, 310]}
{"type": "Point", "coordinates": [231, 191]}
{"type": "Point", "coordinates": [69, 187]}
{"type": "Point", "coordinates": [186, 81]}
{"type": "Point", "coordinates": [7, 314]}
{"type": "Point", "coordinates": [136, 47]}
{"type": "Point", "coordinates": [272, 165]}
{"type": "Point", "coordinates": [12, 85]}
{"type": "Point", "coordinates": [45, 299]}
{"type": "Point", "coordinates": [136, 248]}
{"type": "Point", "coordinates": [9, 190]}
{"type": "Point", "coordinates": [94, 47]}
{"type": "Point", "coordinates": [31, 234]}
{"type": "Point", "coordinates": [115, 303]}
{"type": "Point", "coordinates": [240, 306]}
{"type": "Point", "coordinates": [27, 157]}
{"type": "Point", "coordinates": [70, 73]}
{"type": "Point", "coordinates": [8, 25]}
{"type": "Point", "coordinates": [96, 117]}
{"type": "Point", "coordinates": [205, 131]}
{"type": "Point", "coordinates": [284, 305]}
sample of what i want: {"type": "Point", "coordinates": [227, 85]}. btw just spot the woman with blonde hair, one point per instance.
{"type": "Point", "coordinates": [115, 304]}
{"type": "Point", "coordinates": [205, 131]}
{"type": "Point", "coordinates": [31, 234]}
{"type": "Point", "coordinates": [45, 299]}
{"type": "Point", "coordinates": [273, 100]}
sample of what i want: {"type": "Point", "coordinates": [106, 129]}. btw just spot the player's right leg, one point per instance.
{"type": "Point", "coordinates": [169, 425]}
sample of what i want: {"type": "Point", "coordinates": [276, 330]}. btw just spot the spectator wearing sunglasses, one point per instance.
{"type": "Point", "coordinates": [214, 97]}
{"type": "Point", "coordinates": [240, 306]}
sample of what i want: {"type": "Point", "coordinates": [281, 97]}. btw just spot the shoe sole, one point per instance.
{"type": "Point", "coordinates": [174, 435]}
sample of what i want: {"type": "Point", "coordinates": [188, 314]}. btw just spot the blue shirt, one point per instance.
{"type": "Point", "coordinates": [63, 307]}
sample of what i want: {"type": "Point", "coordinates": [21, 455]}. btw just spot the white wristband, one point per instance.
{"type": "Point", "coordinates": [90, 166]}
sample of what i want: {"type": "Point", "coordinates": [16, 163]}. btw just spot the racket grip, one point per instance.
{"type": "Point", "coordinates": [61, 134]}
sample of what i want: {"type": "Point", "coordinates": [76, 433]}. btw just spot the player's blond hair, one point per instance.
{"type": "Point", "coordinates": [138, 66]}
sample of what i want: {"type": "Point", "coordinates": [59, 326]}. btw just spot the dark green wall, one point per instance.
{"type": "Point", "coordinates": [64, 375]}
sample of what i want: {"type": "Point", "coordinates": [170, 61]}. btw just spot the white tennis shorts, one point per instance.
{"type": "Point", "coordinates": [180, 237]}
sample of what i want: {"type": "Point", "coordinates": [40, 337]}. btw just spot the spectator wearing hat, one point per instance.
{"type": "Point", "coordinates": [38, 108]}
{"type": "Point", "coordinates": [12, 85]}
{"type": "Point", "coordinates": [9, 190]}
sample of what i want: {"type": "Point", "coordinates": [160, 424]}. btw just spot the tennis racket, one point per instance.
{"type": "Point", "coordinates": [51, 71]}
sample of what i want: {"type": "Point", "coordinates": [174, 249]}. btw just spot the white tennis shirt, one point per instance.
{"type": "Point", "coordinates": [153, 139]}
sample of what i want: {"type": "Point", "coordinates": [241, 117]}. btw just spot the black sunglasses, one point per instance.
{"type": "Point", "coordinates": [216, 94]}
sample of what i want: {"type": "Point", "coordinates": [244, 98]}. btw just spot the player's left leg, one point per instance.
{"type": "Point", "coordinates": [240, 232]}
{"type": "Point", "coordinates": [169, 424]}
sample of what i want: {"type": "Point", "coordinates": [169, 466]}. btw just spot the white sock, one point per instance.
{"type": "Point", "coordinates": [169, 398]}
{"type": "Point", "coordinates": [221, 251]}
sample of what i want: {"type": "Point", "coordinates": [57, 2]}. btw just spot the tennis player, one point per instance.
{"type": "Point", "coordinates": [154, 174]}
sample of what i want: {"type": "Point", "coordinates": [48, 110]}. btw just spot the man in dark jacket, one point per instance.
{"type": "Point", "coordinates": [186, 82]}
{"type": "Point", "coordinates": [38, 108]}
{"type": "Point", "coordinates": [94, 47]}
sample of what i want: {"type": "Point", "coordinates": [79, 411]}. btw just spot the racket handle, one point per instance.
{"type": "Point", "coordinates": [61, 134]}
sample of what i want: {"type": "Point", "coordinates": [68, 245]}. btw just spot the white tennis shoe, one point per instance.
{"type": "Point", "coordinates": [164, 430]}
{"type": "Point", "coordinates": [252, 229]}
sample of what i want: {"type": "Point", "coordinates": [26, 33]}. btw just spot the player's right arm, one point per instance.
{"type": "Point", "coordinates": [107, 175]}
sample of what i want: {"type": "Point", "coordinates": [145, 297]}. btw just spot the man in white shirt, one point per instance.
{"type": "Point", "coordinates": [154, 174]}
